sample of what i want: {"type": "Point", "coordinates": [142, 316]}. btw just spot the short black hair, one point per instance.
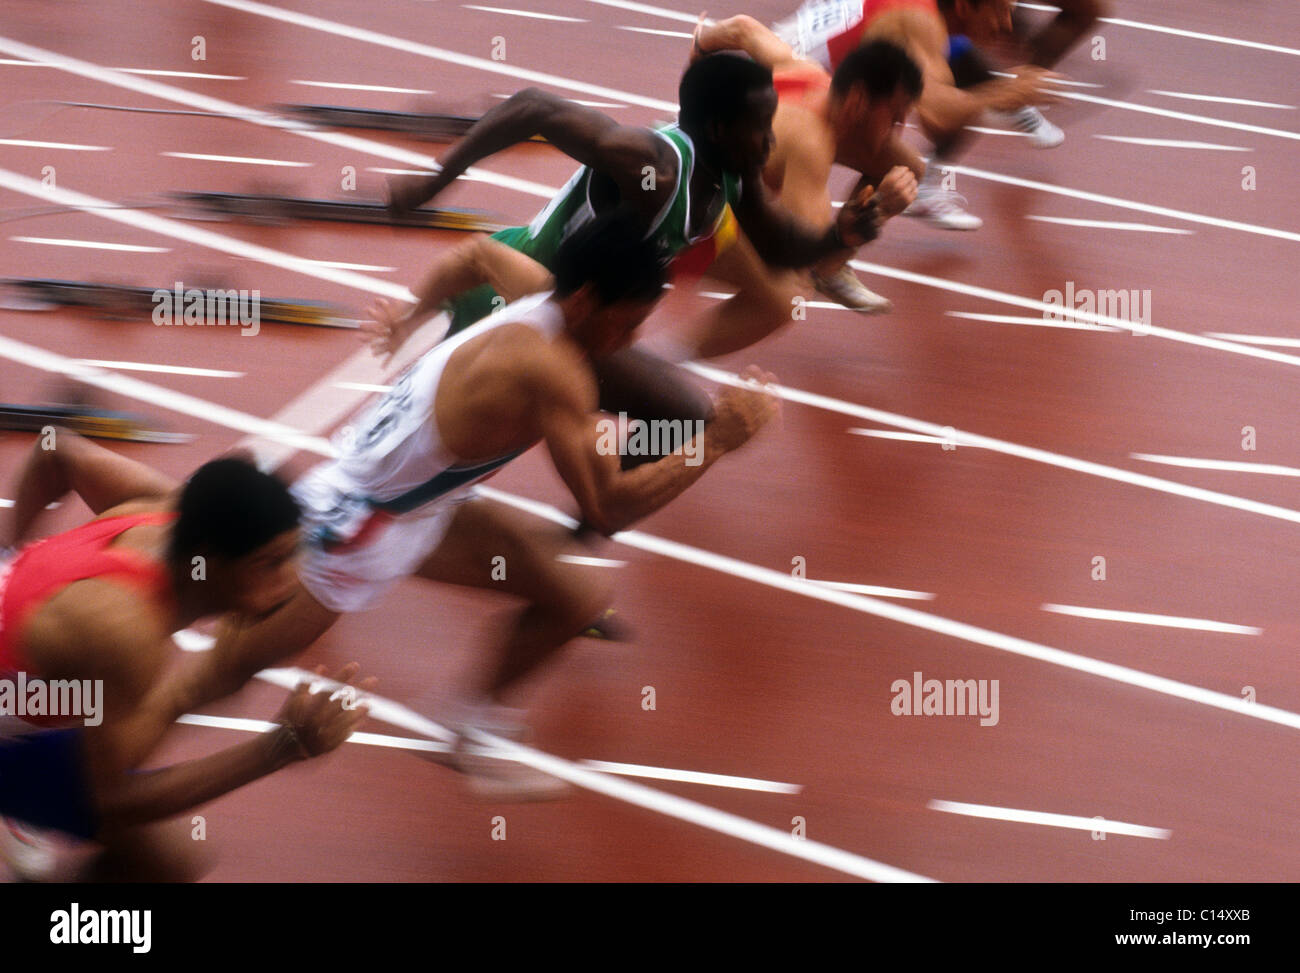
{"type": "Point", "coordinates": [230, 508]}
{"type": "Point", "coordinates": [614, 254]}
{"type": "Point", "coordinates": [717, 88]}
{"type": "Point", "coordinates": [881, 67]}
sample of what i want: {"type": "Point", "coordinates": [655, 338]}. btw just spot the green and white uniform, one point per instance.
{"type": "Point", "coordinates": [573, 207]}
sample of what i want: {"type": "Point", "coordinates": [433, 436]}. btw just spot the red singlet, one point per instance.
{"type": "Point", "coordinates": [43, 569]}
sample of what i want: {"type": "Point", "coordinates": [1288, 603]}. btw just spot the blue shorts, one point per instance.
{"type": "Point", "coordinates": [43, 782]}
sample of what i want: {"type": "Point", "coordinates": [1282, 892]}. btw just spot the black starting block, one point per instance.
{"type": "Point", "coordinates": [96, 423]}
{"type": "Point", "coordinates": [121, 301]}
{"type": "Point", "coordinates": [262, 208]}
{"type": "Point", "coordinates": [435, 128]}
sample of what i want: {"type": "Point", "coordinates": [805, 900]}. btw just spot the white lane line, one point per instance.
{"type": "Point", "coordinates": [702, 815]}
{"type": "Point", "coordinates": [510, 12]}
{"type": "Point", "coordinates": [875, 590]}
{"type": "Point", "coordinates": [1176, 31]}
{"type": "Point", "coordinates": [145, 392]}
{"type": "Point", "coordinates": [922, 620]}
{"type": "Point", "coordinates": [645, 8]}
{"type": "Point", "coordinates": [1109, 225]}
{"type": "Point", "coordinates": [1232, 466]}
{"type": "Point", "coordinates": [181, 96]}
{"type": "Point", "coordinates": [996, 131]}
{"type": "Point", "coordinates": [1220, 99]}
{"type": "Point", "coordinates": [433, 746]}
{"type": "Point", "coordinates": [89, 244]}
{"type": "Point", "coordinates": [203, 238]}
{"type": "Point", "coordinates": [1033, 322]}
{"type": "Point", "coordinates": [691, 777]}
{"type": "Point", "coordinates": [1256, 339]}
{"type": "Point", "coordinates": [1033, 454]}
{"type": "Point", "coordinates": [49, 506]}
{"type": "Point", "coordinates": [24, 64]}
{"type": "Point", "coordinates": [134, 366]}
{"type": "Point", "coordinates": [1045, 187]}
{"type": "Point", "coordinates": [71, 147]}
{"type": "Point", "coordinates": [592, 562]}
{"type": "Point", "coordinates": [657, 33]}
{"type": "Point", "coordinates": [1075, 314]}
{"type": "Point", "coordinates": [1075, 822]}
{"type": "Point", "coordinates": [905, 437]}
{"type": "Point", "coordinates": [261, 726]}
{"type": "Point", "coordinates": [242, 160]}
{"type": "Point", "coordinates": [1145, 618]}
{"type": "Point", "coordinates": [362, 387]}
{"type": "Point", "coordinates": [347, 86]}
{"type": "Point", "coordinates": [1180, 116]}
{"type": "Point", "coordinates": [180, 74]}
{"type": "Point", "coordinates": [355, 33]}
{"type": "Point", "coordinates": [1174, 143]}
{"type": "Point", "coordinates": [39, 358]}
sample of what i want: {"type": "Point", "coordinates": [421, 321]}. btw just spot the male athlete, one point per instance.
{"type": "Point", "coordinates": [686, 179]}
{"type": "Point", "coordinates": [958, 86]}
{"type": "Point", "coordinates": [99, 603]}
{"type": "Point", "coordinates": [850, 120]}
{"type": "Point", "coordinates": [397, 501]}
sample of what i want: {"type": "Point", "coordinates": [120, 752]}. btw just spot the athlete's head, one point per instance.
{"type": "Point", "coordinates": [727, 104]}
{"type": "Point", "coordinates": [243, 524]}
{"type": "Point", "coordinates": [871, 93]}
{"type": "Point", "coordinates": [982, 18]}
{"type": "Point", "coordinates": [608, 277]}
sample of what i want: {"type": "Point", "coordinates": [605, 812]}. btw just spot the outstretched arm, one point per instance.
{"type": "Point", "coordinates": [62, 462]}
{"type": "Point", "coordinates": [586, 459]}
{"type": "Point", "coordinates": [619, 151]}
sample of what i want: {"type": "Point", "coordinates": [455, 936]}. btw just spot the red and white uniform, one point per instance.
{"type": "Point", "coordinates": [826, 31]}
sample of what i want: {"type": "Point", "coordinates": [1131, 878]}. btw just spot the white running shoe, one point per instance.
{"type": "Point", "coordinates": [1042, 133]}
{"type": "Point", "coordinates": [843, 287]}
{"type": "Point", "coordinates": [490, 775]}
{"type": "Point", "coordinates": [939, 207]}
{"type": "Point", "coordinates": [35, 855]}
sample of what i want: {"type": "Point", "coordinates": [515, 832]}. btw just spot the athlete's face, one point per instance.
{"type": "Point", "coordinates": [744, 144]}
{"type": "Point", "coordinates": [870, 122]}
{"type": "Point", "coordinates": [266, 578]}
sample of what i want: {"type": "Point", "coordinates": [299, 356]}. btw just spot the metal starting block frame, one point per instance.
{"type": "Point", "coordinates": [121, 301]}
{"type": "Point", "coordinates": [96, 423]}
{"type": "Point", "coordinates": [262, 208]}
{"type": "Point", "coordinates": [435, 128]}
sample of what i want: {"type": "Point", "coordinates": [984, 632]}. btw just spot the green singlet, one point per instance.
{"type": "Point", "coordinates": [572, 207]}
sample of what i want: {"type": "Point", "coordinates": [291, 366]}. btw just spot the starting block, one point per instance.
{"type": "Point", "coordinates": [96, 423]}
{"type": "Point", "coordinates": [435, 128]}
{"type": "Point", "coordinates": [121, 301]}
{"type": "Point", "coordinates": [262, 208]}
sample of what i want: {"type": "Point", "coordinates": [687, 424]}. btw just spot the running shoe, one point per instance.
{"type": "Point", "coordinates": [939, 207]}
{"type": "Point", "coordinates": [843, 287]}
{"type": "Point", "coordinates": [1042, 133]}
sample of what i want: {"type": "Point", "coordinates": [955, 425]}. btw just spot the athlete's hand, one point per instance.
{"type": "Point", "coordinates": [405, 193]}
{"type": "Point", "coordinates": [859, 219]}
{"type": "Point", "coordinates": [897, 191]}
{"type": "Point", "coordinates": [322, 721]}
{"type": "Point", "coordinates": [1030, 86]}
{"type": "Point", "coordinates": [740, 412]}
{"type": "Point", "coordinates": [385, 329]}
